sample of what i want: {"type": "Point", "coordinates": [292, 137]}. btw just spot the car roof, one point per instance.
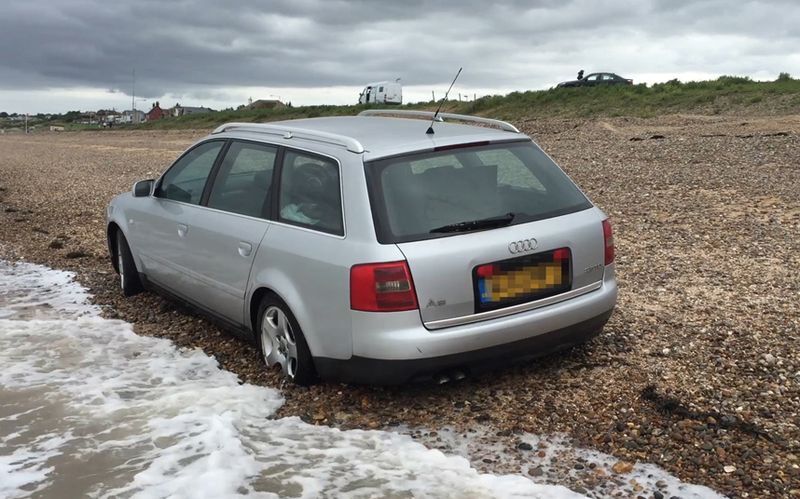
{"type": "Point", "coordinates": [387, 136]}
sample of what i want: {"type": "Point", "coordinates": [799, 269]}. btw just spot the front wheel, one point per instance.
{"type": "Point", "coordinates": [128, 275]}
{"type": "Point", "coordinates": [282, 342]}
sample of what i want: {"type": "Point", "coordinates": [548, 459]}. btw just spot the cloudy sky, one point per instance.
{"type": "Point", "coordinates": [58, 55]}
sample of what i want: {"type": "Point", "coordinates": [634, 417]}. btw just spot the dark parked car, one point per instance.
{"type": "Point", "coordinates": [596, 79]}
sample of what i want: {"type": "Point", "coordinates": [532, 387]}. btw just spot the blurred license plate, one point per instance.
{"type": "Point", "coordinates": [522, 279]}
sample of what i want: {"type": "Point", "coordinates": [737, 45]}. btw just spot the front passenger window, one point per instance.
{"type": "Point", "coordinates": [186, 179]}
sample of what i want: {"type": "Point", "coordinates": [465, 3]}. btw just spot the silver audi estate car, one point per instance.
{"type": "Point", "coordinates": [365, 249]}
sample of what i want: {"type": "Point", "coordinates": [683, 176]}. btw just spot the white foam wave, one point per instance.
{"type": "Point", "coordinates": [29, 291]}
{"type": "Point", "coordinates": [88, 408]}
{"type": "Point", "coordinates": [554, 458]}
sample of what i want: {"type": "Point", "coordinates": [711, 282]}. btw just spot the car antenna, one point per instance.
{"type": "Point", "coordinates": [436, 114]}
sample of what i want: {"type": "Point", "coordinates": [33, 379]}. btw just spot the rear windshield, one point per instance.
{"type": "Point", "coordinates": [438, 194]}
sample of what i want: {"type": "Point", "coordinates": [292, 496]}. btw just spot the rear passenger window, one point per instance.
{"type": "Point", "coordinates": [309, 193]}
{"type": "Point", "coordinates": [244, 179]}
{"type": "Point", "coordinates": [186, 179]}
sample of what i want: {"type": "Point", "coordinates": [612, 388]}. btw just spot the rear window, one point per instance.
{"type": "Point", "coordinates": [414, 197]}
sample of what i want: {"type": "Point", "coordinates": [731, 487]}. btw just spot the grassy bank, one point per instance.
{"type": "Point", "coordinates": [727, 95]}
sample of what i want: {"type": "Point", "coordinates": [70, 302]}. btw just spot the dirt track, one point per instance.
{"type": "Point", "coordinates": [698, 371]}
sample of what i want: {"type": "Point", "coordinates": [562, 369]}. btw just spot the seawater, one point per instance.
{"type": "Point", "coordinates": [90, 409]}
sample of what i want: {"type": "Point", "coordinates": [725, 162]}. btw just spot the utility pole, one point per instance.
{"type": "Point", "coordinates": [133, 98]}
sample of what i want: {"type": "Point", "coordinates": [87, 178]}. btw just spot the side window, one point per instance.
{"type": "Point", "coordinates": [592, 77]}
{"type": "Point", "coordinates": [380, 89]}
{"type": "Point", "coordinates": [244, 179]}
{"type": "Point", "coordinates": [310, 194]}
{"type": "Point", "coordinates": [186, 179]}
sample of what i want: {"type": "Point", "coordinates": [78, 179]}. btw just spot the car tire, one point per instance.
{"type": "Point", "coordinates": [128, 275]}
{"type": "Point", "coordinates": [282, 342]}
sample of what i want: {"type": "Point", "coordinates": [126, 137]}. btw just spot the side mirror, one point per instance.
{"type": "Point", "coordinates": [143, 188]}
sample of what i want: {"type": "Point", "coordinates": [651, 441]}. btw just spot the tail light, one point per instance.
{"type": "Point", "coordinates": [608, 237]}
{"type": "Point", "coordinates": [382, 287]}
{"type": "Point", "coordinates": [561, 254]}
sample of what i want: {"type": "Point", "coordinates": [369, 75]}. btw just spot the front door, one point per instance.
{"type": "Point", "coordinates": [161, 228]}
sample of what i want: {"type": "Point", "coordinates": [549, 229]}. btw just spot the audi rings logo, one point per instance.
{"type": "Point", "coordinates": [523, 246]}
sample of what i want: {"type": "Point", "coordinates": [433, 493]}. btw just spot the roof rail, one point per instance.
{"type": "Point", "coordinates": [503, 125]}
{"type": "Point", "coordinates": [288, 132]}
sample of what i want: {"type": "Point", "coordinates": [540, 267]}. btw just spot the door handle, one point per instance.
{"type": "Point", "coordinates": [245, 248]}
{"type": "Point", "coordinates": [182, 230]}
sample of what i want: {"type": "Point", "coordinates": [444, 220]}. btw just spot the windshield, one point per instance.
{"type": "Point", "coordinates": [437, 194]}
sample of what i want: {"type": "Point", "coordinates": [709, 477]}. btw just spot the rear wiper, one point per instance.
{"type": "Point", "coordinates": [483, 223]}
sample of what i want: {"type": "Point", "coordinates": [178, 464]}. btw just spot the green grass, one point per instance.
{"type": "Point", "coordinates": [725, 95]}
{"type": "Point", "coordinates": [207, 120]}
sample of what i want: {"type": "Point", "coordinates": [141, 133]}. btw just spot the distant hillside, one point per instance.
{"type": "Point", "coordinates": [725, 95]}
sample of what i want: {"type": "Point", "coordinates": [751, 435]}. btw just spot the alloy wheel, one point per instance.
{"type": "Point", "coordinates": [278, 343]}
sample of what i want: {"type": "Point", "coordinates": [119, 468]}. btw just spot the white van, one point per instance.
{"type": "Point", "coordinates": [382, 92]}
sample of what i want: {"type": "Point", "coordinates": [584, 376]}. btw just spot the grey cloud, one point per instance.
{"type": "Point", "coordinates": [198, 47]}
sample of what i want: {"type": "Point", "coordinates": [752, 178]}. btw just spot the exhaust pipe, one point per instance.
{"type": "Point", "coordinates": [448, 376]}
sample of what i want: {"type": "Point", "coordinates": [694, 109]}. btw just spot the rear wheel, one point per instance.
{"type": "Point", "coordinates": [282, 342]}
{"type": "Point", "coordinates": [128, 275]}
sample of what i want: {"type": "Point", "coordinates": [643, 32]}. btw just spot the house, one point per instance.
{"type": "Point", "coordinates": [88, 118]}
{"type": "Point", "coordinates": [132, 117]}
{"type": "Point", "coordinates": [266, 104]}
{"type": "Point", "coordinates": [156, 113]}
{"type": "Point", "coordinates": [179, 110]}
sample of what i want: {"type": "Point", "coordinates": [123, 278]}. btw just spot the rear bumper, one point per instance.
{"type": "Point", "coordinates": [392, 348]}
{"type": "Point", "coordinates": [390, 372]}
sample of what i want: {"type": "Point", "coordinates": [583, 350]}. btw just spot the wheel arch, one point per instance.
{"type": "Point", "coordinates": [111, 240]}
{"type": "Point", "coordinates": [255, 301]}
{"type": "Point", "coordinates": [112, 229]}
{"type": "Point", "coordinates": [295, 306]}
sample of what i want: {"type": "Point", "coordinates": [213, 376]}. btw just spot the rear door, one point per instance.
{"type": "Point", "coordinates": [226, 234]}
{"type": "Point", "coordinates": [394, 93]}
{"type": "Point", "coordinates": [486, 227]}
